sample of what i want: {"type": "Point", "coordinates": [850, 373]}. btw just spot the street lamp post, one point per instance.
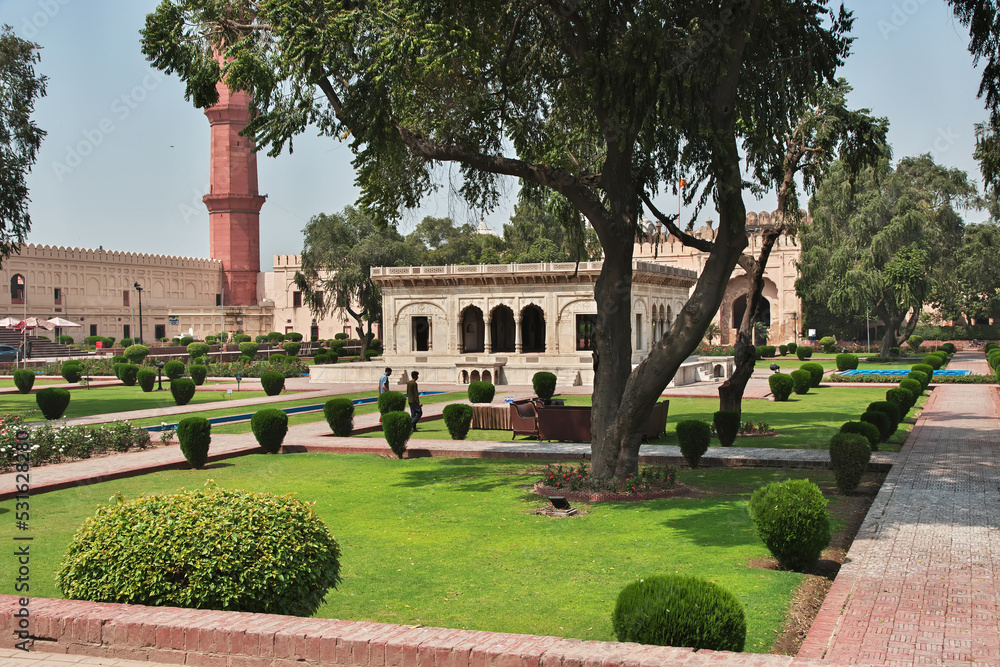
{"type": "Point", "coordinates": [159, 372]}
{"type": "Point", "coordinates": [795, 325]}
{"type": "Point", "coordinates": [138, 288]}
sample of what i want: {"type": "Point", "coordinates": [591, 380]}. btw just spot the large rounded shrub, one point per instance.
{"type": "Point", "coordinates": [196, 350]}
{"type": "Point", "coordinates": [868, 430]}
{"type": "Point", "coordinates": [146, 377]}
{"type": "Point", "coordinates": [903, 398]}
{"type": "Point", "coordinates": [339, 413]}
{"type": "Point", "coordinates": [677, 610]}
{"type": "Point", "coordinates": [923, 378]}
{"type": "Point", "coordinates": [391, 401]}
{"type": "Point", "coordinates": [881, 421]}
{"type": "Point", "coordinates": [801, 381]}
{"type": "Point", "coordinates": [198, 373]}
{"type": "Point", "coordinates": [183, 390]}
{"type": "Point", "coordinates": [816, 370]}
{"type": "Point", "coordinates": [803, 353]}
{"type": "Point", "coordinates": [781, 386]}
{"type": "Point", "coordinates": [272, 382]}
{"type": "Point", "coordinates": [269, 426]}
{"type": "Point", "coordinates": [847, 362]}
{"type": "Point", "coordinates": [291, 348]}
{"type": "Point", "coordinates": [924, 368]}
{"type": "Point", "coordinates": [24, 380]}
{"type": "Point", "coordinates": [275, 337]}
{"type": "Point", "coordinates": [195, 436]}
{"type": "Point", "coordinates": [458, 419]}
{"type": "Point", "coordinates": [173, 369]}
{"type": "Point", "coordinates": [136, 353]}
{"type": "Point", "coordinates": [128, 373]}
{"type": "Point", "coordinates": [249, 350]}
{"type": "Point", "coordinates": [890, 409]}
{"type": "Point", "coordinates": [727, 425]}
{"type": "Point", "coordinates": [52, 401]}
{"type": "Point", "coordinates": [829, 343]}
{"type": "Point", "coordinates": [949, 348]}
{"type": "Point", "coordinates": [934, 361]}
{"type": "Point", "coordinates": [790, 518]}
{"type": "Point", "coordinates": [792, 348]}
{"type": "Point", "coordinates": [913, 387]}
{"type": "Point", "coordinates": [544, 384]}
{"type": "Point", "coordinates": [259, 553]}
{"type": "Point", "coordinates": [71, 370]}
{"type": "Point", "coordinates": [482, 392]}
{"type": "Point", "coordinates": [397, 428]}
{"type": "Point", "coordinates": [849, 457]}
{"type": "Point", "coordinates": [694, 436]}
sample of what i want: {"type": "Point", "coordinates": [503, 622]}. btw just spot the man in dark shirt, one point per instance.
{"type": "Point", "coordinates": [413, 398]}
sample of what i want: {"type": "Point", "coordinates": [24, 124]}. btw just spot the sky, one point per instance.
{"type": "Point", "coordinates": [125, 161]}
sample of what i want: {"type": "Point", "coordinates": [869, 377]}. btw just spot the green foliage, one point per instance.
{"type": "Point", "coordinates": [24, 380]}
{"type": "Point", "coordinates": [765, 351]}
{"type": "Point", "coordinates": [914, 387]}
{"type": "Point", "coordinates": [391, 401]}
{"type": "Point", "coordinates": [146, 377]}
{"type": "Point", "coordinates": [849, 457]}
{"type": "Point", "coordinates": [866, 429]}
{"type": "Point", "coordinates": [791, 520]}
{"type": "Point", "coordinates": [294, 336]}
{"type": "Point", "coordinates": [117, 369]}
{"type": "Point", "coordinates": [249, 349]}
{"type": "Point", "coordinates": [828, 343]}
{"type": "Point", "coordinates": [160, 550]}
{"type": "Point", "coordinates": [196, 350]}
{"type": "Point", "coordinates": [891, 410]}
{"type": "Point", "coordinates": [881, 421]}
{"type": "Point", "coordinates": [269, 426]}
{"type": "Point", "coordinates": [52, 401]}
{"type": "Point", "coordinates": [458, 419]}
{"type": "Point", "coordinates": [934, 361]}
{"type": "Point", "coordinates": [792, 348]}
{"type": "Point", "coordinates": [923, 379]}
{"type": "Point", "coordinates": [783, 349]}
{"type": "Point", "coordinates": [924, 368]}
{"type": "Point", "coordinates": [173, 369]}
{"type": "Point", "coordinates": [544, 384]}
{"type": "Point", "coordinates": [847, 362]}
{"type": "Point", "coordinates": [914, 343]}
{"type": "Point", "coordinates": [275, 337]}
{"type": "Point", "coordinates": [183, 390]}
{"type": "Point", "coordinates": [694, 436]}
{"type": "Point", "coordinates": [291, 348]}
{"type": "Point", "coordinates": [727, 425]}
{"type": "Point", "coordinates": [815, 370]}
{"type": "Point", "coordinates": [949, 348]}
{"type": "Point", "coordinates": [903, 398]}
{"type": "Point", "coordinates": [128, 373]}
{"type": "Point", "coordinates": [136, 353]}
{"type": "Point", "coordinates": [340, 336]}
{"type": "Point", "coordinates": [781, 386]}
{"type": "Point", "coordinates": [801, 381]}
{"type": "Point", "coordinates": [397, 428]}
{"type": "Point", "coordinates": [72, 371]}
{"type": "Point", "coordinates": [803, 353]}
{"type": "Point", "coordinates": [272, 382]}
{"type": "Point", "coordinates": [481, 392]}
{"type": "Point", "coordinates": [195, 436]}
{"type": "Point", "coordinates": [68, 340]}
{"type": "Point", "coordinates": [678, 610]}
{"type": "Point", "coordinates": [339, 413]}
{"type": "Point", "coordinates": [198, 373]}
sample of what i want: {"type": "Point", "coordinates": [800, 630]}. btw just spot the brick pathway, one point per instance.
{"type": "Point", "coordinates": [922, 580]}
{"type": "Point", "coordinates": [16, 658]}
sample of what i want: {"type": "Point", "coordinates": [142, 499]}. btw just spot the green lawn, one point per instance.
{"type": "Point", "coordinates": [9, 382]}
{"type": "Point", "coordinates": [791, 363]}
{"type": "Point", "coordinates": [450, 542]}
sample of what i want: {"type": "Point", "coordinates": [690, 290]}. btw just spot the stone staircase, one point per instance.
{"type": "Point", "coordinates": [40, 348]}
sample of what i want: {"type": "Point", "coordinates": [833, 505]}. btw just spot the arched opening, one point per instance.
{"type": "Point", "coordinates": [465, 377]}
{"type": "Point", "coordinates": [502, 329]}
{"type": "Point", "coordinates": [719, 371]}
{"type": "Point", "coordinates": [763, 315]}
{"type": "Point", "coordinates": [532, 330]}
{"type": "Point", "coordinates": [487, 376]}
{"type": "Point", "coordinates": [474, 377]}
{"type": "Point", "coordinates": [473, 330]}
{"type": "Point", "coordinates": [17, 288]}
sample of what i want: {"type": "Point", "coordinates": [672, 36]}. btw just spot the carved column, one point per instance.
{"type": "Point", "coordinates": [517, 336]}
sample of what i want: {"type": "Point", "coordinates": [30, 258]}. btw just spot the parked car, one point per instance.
{"type": "Point", "coordinates": [9, 353]}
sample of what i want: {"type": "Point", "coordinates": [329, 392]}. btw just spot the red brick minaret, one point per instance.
{"type": "Point", "coordinates": [233, 201]}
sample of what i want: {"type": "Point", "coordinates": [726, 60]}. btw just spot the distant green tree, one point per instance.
{"type": "Point", "coordinates": [441, 242]}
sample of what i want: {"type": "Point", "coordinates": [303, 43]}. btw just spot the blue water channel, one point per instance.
{"type": "Point", "coordinates": [936, 373]}
{"type": "Point", "coordinates": [288, 411]}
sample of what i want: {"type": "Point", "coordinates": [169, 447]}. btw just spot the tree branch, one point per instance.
{"type": "Point", "coordinates": [668, 222]}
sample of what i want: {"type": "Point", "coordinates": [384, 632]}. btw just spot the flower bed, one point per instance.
{"type": "Point", "coordinates": [53, 444]}
{"type": "Point", "coordinates": [608, 496]}
{"type": "Point", "coordinates": [575, 483]}
{"type": "Point", "coordinates": [749, 429]}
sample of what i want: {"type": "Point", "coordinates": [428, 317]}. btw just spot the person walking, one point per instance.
{"type": "Point", "coordinates": [383, 382]}
{"type": "Point", "coordinates": [413, 398]}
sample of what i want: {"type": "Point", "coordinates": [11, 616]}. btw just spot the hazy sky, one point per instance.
{"type": "Point", "coordinates": [125, 162]}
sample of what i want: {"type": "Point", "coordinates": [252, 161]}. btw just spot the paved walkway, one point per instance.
{"type": "Point", "coordinates": [16, 658]}
{"type": "Point", "coordinates": [921, 584]}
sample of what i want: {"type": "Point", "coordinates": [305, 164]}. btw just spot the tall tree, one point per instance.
{"type": "Point", "coordinates": [20, 138]}
{"type": "Point", "coordinates": [973, 290]}
{"type": "Point", "coordinates": [883, 240]}
{"type": "Point", "coordinates": [337, 255]}
{"type": "Point", "coordinates": [598, 102]}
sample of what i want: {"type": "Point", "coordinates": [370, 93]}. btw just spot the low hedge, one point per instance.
{"type": "Point", "coordinates": [24, 380]}
{"type": "Point", "coordinates": [847, 362]}
{"type": "Point", "coordinates": [816, 370]}
{"type": "Point", "coordinates": [183, 390]}
{"type": "Point", "coordinates": [849, 457]}
{"type": "Point", "coordinates": [397, 428]}
{"type": "Point", "coordinates": [195, 436]}
{"type": "Point", "coordinates": [269, 426]}
{"type": "Point", "coordinates": [52, 401]}
{"type": "Point", "coordinates": [458, 419]}
{"type": "Point", "coordinates": [882, 422]}
{"type": "Point", "coordinates": [339, 414]}
{"type": "Point", "coordinates": [781, 386]}
{"type": "Point", "coordinates": [694, 436]}
{"type": "Point", "coordinates": [801, 381]}
{"type": "Point", "coordinates": [870, 432]}
{"type": "Point", "coordinates": [727, 426]}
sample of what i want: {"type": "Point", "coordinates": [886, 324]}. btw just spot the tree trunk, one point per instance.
{"type": "Point", "coordinates": [892, 322]}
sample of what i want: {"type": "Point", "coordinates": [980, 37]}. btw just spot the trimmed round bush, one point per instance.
{"type": "Point", "coordinates": [24, 380]}
{"type": "Point", "coordinates": [275, 337]}
{"type": "Point", "coordinates": [186, 340]}
{"type": "Point", "coordinates": [847, 362]}
{"type": "Point", "coordinates": [339, 413]}
{"type": "Point", "coordinates": [903, 398]}
{"type": "Point", "coordinates": [849, 457]}
{"type": "Point", "coordinates": [195, 436]}
{"type": "Point", "coordinates": [332, 358]}
{"type": "Point", "coordinates": [241, 338]}
{"type": "Point", "coordinates": [694, 436]}
{"type": "Point", "coordinates": [781, 386]}
{"type": "Point", "coordinates": [678, 610]}
{"type": "Point", "coordinates": [868, 430]}
{"type": "Point", "coordinates": [173, 369]}
{"type": "Point", "coordinates": [881, 421]}
{"type": "Point", "coordinates": [128, 374]}
{"type": "Point", "coordinates": [765, 351]}
{"type": "Point", "coordinates": [914, 343]}
{"type": "Point", "coordinates": [481, 392]}
{"type": "Point", "coordinates": [801, 381]}
{"type": "Point", "coordinates": [136, 353]}
{"type": "Point", "coordinates": [923, 378]}
{"type": "Point", "coordinates": [196, 350]}
{"type": "Point", "coordinates": [890, 409]}
{"type": "Point", "coordinates": [269, 426]}
{"type": "Point", "coordinates": [320, 358]}
{"type": "Point", "coordinates": [791, 519]}
{"type": "Point", "coordinates": [458, 419]}
{"type": "Point", "coordinates": [391, 401]}
{"type": "Point", "coordinates": [816, 370]}
{"type": "Point", "coordinates": [782, 350]}
{"type": "Point", "coordinates": [68, 340]}
{"type": "Point", "coordinates": [727, 425]}
{"type": "Point", "coordinates": [272, 382]}
{"type": "Point", "coordinates": [198, 373]}
{"type": "Point", "coordinates": [71, 371]}
{"type": "Point", "coordinates": [182, 389]}
{"type": "Point", "coordinates": [544, 384]}
{"type": "Point", "coordinates": [934, 361]}
{"type": "Point", "coordinates": [291, 348]}
{"type": "Point", "coordinates": [341, 336]}
{"type": "Point", "coordinates": [913, 387]}
{"type": "Point", "coordinates": [829, 344]}
{"type": "Point", "coordinates": [294, 336]}
{"type": "Point", "coordinates": [924, 368]}
{"type": "Point", "coordinates": [160, 550]}
{"type": "Point", "coordinates": [117, 369]}
{"type": "Point", "coordinates": [249, 349]}
{"type": "Point", "coordinates": [949, 348]}
{"type": "Point", "coordinates": [792, 347]}
{"type": "Point", "coordinates": [397, 428]}
{"type": "Point", "coordinates": [277, 358]}
{"type": "Point", "coordinates": [52, 401]}
{"type": "Point", "coordinates": [146, 377]}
